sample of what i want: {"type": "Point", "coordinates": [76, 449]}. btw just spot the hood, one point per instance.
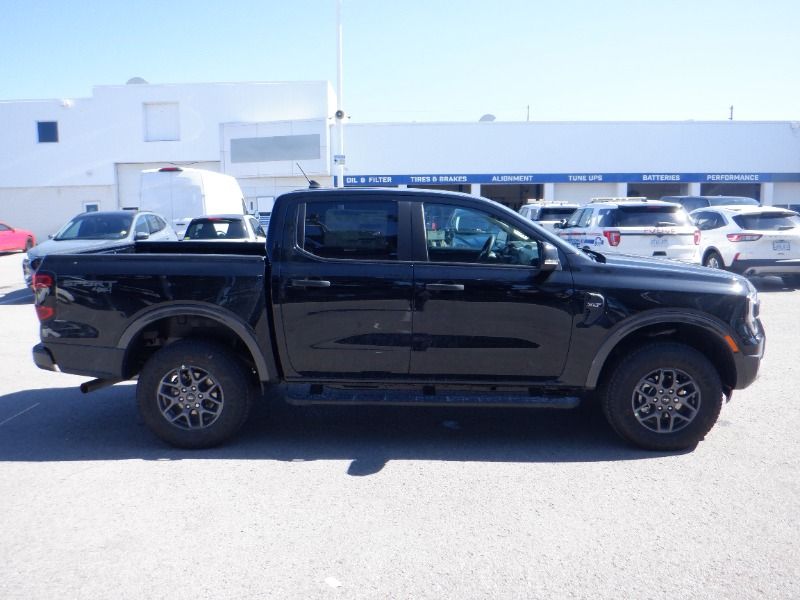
{"type": "Point", "coordinates": [666, 274]}
{"type": "Point", "coordinates": [73, 246]}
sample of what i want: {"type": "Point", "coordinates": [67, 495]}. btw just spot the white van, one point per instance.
{"type": "Point", "coordinates": [180, 194]}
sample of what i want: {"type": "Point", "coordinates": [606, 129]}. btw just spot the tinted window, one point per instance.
{"type": "Point", "coordinates": [465, 235]}
{"type": "Point", "coordinates": [555, 213]}
{"type": "Point", "coordinates": [768, 221]}
{"type": "Point", "coordinates": [645, 216]}
{"type": "Point", "coordinates": [215, 228]}
{"type": "Point", "coordinates": [4, 228]}
{"type": "Point", "coordinates": [351, 229]}
{"type": "Point", "coordinates": [96, 226]}
{"type": "Point", "coordinates": [708, 220]}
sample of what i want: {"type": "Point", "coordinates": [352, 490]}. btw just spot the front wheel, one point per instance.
{"type": "Point", "coordinates": [663, 396]}
{"type": "Point", "coordinates": [194, 394]}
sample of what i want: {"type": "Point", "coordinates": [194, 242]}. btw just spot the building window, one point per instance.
{"type": "Point", "coordinates": [161, 122]}
{"type": "Point", "coordinates": [48, 131]}
{"type": "Point", "coordinates": [91, 207]}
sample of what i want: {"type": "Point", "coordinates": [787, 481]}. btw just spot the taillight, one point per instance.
{"type": "Point", "coordinates": [696, 237]}
{"type": "Point", "coordinates": [613, 237]}
{"type": "Point", "coordinates": [744, 237]}
{"type": "Point", "coordinates": [42, 283]}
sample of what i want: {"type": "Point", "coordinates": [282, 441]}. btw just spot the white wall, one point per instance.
{"type": "Point", "coordinates": [786, 193]}
{"type": "Point", "coordinates": [44, 210]}
{"type": "Point", "coordinates": [583, 192]}
{"type": "Point", "coordinates": [108, 128]}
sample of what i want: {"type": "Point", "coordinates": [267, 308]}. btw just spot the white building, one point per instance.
{"type": "Point", "coordinates": [61, 157]}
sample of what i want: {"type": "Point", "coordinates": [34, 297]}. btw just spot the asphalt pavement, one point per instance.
{"type": "Point", "coordinates": [392, 502]}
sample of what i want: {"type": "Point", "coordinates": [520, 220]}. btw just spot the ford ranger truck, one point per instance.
{"type": "Point", "coordinates": [400, 296]}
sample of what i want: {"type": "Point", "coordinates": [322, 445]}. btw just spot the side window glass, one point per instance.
{"type": "Point", "coordinates": [585, 218]}
{"type": "Point", "coordinates": [155, 223]}
{"type": "Point", "coordinates": [464, 235]}
{"type": "Point", "coordinates": [257, 229]}
{"type": "Point", "coordinates": [358, 230]}
{"type": "Point", "coordinates": [141, 225]}
{"type": "Point", "coordinates": [605, 217]}
{"type": "Point", "coordinates": [576, 217]}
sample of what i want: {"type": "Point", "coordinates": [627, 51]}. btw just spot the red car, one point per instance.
{"type": "Point", "coordinates": [12, 239]}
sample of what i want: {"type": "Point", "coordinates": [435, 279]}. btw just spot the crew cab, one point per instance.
{"type": "Point", "coordinates": [404, 297]}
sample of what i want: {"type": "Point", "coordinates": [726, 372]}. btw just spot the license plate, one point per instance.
{"type": "Point", "coordinates": [659, 242]}
{"type": "Point", "coordinates": [781, 245]}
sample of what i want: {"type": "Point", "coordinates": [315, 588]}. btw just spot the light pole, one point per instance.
{"type": "Point", "coordinates": [339, 159]}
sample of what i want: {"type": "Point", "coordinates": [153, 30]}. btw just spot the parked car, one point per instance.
{"type": "Point", "coordinates": [225, 228]}
{"type": "Point", "coordinates": [367, 296]}
{"type": "Point", "coordinates": [100, 230]}
{"type": "Point", "coordinates": [691, 203]}
{"type": "Point", "coordinates": [548, 213]}
{"type": "Point", "coordinates": [635, 226]}
{"type": "Point", "coordinates": [751, 240]}
{"type": "Point", "coordinates": [13, 239]}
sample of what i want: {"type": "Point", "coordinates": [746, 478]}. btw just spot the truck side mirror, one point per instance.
{"type": "Point", "coordinates": [550, 260]}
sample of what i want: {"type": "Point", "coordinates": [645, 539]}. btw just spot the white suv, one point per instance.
{"type": "Point", "coordinates": [751, 240]}
{"type": "Point", "coordinates": [634, 226]}
{"type": "Point", "coordinates": [547, 213]}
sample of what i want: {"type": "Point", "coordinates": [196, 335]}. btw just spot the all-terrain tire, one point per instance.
{"type": "Point", "coordinates": [194, 394]}
{"type": "Point", "coordinates": [663, 378]}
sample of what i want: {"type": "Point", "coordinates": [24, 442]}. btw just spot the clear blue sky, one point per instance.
{"type": "Point", "coordinates": [429, 60]}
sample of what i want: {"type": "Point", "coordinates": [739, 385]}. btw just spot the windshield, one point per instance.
{"type": "Point", "coordinates": [555, 214]}
{"type": "Point", "coordinates": [732, 201]}
{"type": "Point", "coordinates": [768, 221]}
{"type": "Point", "coordinates": [96, 226]}
{"type": "Point", "coordinates": [645, 216]}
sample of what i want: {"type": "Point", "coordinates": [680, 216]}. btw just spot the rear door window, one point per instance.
{"type": "Point", "coordinates": [356, 230]}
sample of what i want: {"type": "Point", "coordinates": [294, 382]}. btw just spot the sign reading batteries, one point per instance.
{"type": "Point", "coordinates": [536, 178]}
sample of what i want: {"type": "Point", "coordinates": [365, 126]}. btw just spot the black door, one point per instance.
{"type": "Point", "coordinates": [345, 295]}
{"type": "Point", "coordinates": [483, 310]}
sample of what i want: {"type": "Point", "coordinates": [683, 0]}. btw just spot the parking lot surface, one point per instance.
{"type": "Point", "coordinates": [392, 502]}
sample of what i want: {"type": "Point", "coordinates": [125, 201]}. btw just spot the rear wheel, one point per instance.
{"type": "Point", "coordinates": [663, 396]}
{"type": "Point", "coordinates": [194, 394]}
{"type": "Point", "coordinates": [714, 260]}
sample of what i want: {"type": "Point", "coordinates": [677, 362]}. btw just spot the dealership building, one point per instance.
{"type": "Point", "coordinates": [65, 156]}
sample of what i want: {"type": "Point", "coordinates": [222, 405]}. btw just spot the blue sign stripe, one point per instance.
{"type": "Point", "coordinates": [536, 178]}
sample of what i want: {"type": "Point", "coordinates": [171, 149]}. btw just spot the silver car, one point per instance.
{"type": "Point", "coordinates": [99, 230]}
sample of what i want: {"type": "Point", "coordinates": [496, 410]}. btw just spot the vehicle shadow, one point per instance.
{"type": "Point", "coordinates": [16, 297]}
{"type": "Point", "coordinates": [65, 425]}
{"type": "Point", "coordinates": [771, 284]}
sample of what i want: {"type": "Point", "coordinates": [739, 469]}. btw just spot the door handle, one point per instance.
{"type": "Point", "coordinates": [317, 283]}
{"type": "Point", "coordinates": [444, 287]}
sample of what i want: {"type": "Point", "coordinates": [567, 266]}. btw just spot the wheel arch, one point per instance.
{"type": "Point", "coordinates": [179, 322]}
{"type": "Point", "coordinates": [715, 250]}
{"type": "Point", "coordinates": [697, 331]}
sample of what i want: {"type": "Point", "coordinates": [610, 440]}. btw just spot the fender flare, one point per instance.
{"type": "Point", "coordinates": [229, 320]}
{"type": "Point", "coordinates": [660, 317]}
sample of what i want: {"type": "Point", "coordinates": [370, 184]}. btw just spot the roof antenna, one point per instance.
{"type": "Point", "coordinates": [312, 185]}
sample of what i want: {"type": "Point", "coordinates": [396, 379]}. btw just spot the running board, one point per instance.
{"type": "Point", "coordinates": [304, 394]}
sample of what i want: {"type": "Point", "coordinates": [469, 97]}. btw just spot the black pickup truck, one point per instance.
{"type": "Point", "coordinates": [400, 296]}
